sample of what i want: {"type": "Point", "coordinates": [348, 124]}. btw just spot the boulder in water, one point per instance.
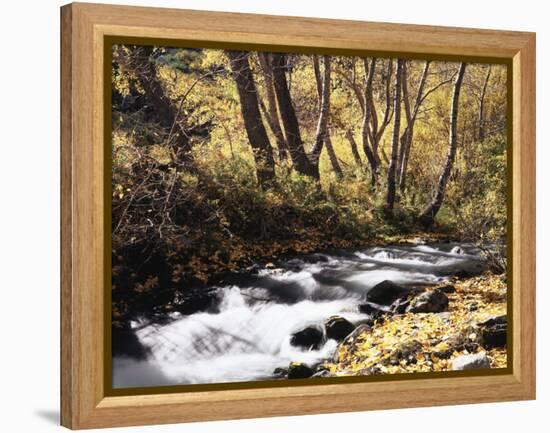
{"type": "Point", "coordinates": [194, 301]}
{"type": "Point", "coordinates": [386, 292]}
{"type": "Point", "coordinates": [127, 344]}
{"type": "Point", "coordinates": [471, 362]}
{"type": "Point", "coordinates": [299, 370]}
{"type": "Point", "coordinates": [457, 250]}
{"type": "Point", "coordinates": [432, 301]}
{"type": "Point", "coordinates": [309, 338]}
{"type": "Point", "coordinates": [375, 311]}
{"type": "Point", "coordinates": [322, 373]}
{"type": "Point", "coordinates": [280, 373]}
{"type": "Point", "coordinates": [494, 332]}
{"type": "Point", "coordinates": [338, 328]}
{"type": "Point", "coordinates": [399, 306]}
{"type": "Point", "coordinates": [468, 273]}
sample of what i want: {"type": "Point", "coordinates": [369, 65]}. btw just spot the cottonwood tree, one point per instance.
{"type": "Point", "coordinates": [372, 129]}
{"type": "Point", "coordinates": [411, 114]}
{"type": "Point", "coordinates": [138, 61]}
{"type": "Point", "coordinates": [252, 117]}
{"type": "Point", "coordinates": [390, 195]}
{"type": "Point", "coordinates": [481, 116]}
{"type": "Point", "coordinates": [304, 163]}
{"type": "Point", "coordinates": [323, 95]}
{"type": "Point", "coordinates": [271, 111]}
{"type": "Point", "coordinates": [428, 216]}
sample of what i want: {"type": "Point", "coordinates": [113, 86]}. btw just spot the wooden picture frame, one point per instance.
{"type": "Point", "coordinates": [84, 334]}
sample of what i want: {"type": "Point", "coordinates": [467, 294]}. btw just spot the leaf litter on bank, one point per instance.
{"type": "Point", "coordinates": [425, 342]}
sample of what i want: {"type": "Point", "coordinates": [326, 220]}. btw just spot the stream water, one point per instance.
{"type": "Point", "coordinates": [248, 334]}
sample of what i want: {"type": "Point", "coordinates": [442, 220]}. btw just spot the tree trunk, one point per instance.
{"type": "Point", "coordinates": [291, 127]}
{"type": "Point", "coordinates": [378, 131]}
{"type": "Point", "coordinates": [333, 158]}
{"type": "Point", "coordinates": [323, 93]}
{"type": "Point", "coordinates": [390, 196]}
{"type": "Point", "coordinates": [140, 64]}
{"type": "Point", "coordinates": [481, 119]}
{"type": "Point", "coordinates": [271, 111]}
{"type": "Point", "coordinates": [255, 130]}
{"type": "Point", "coordinates": [324, 109]}
{"type": "Point", "coordinates": [367, 114]}
{"type": "Point", "coordinates": [428, 217]}
{"type": "Point", "coordinates": [353, 146]}
{"type": "Point", "coordinates": [406, 139]}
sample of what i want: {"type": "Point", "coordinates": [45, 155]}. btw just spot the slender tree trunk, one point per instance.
{"type": "Point", "coordinates": [408, 115]}
{"type": "Point", "coordinates": [366, 134]}
{"type": "Point", "coordinates": [353, 146]}
{"type": "Point", "coordinates": [291, 127]}
{"type": "Point", "coordinates": [378, 131]}
{"type": "Point", "coordinates": [407, 138]}
{"type": "Point", "coordinates": [333, 158]}
{"type": "Point", "coordinates": [323, 93]}
{"type": "Point", "coordinates": [324, 109]}
{"type": "Point", "coordinates": [428, 217]}
{"type": "Point", "coordinates": [390, 196]}
{"type": "Point", "coordinates": [271, 112]}
{"type": "Point", "coordinates": [481, 119]}
{"type": "Point", "coordinates": [253, 123]}
{"type": "Point", "coordinates": [405, 162]}
{"type": "Point", "coordinates": [318, 81]}
{"type": "Point", "coordinates": [140, 64]}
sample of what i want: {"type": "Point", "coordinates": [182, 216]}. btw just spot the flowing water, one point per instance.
{"type": "Point", "coordinates": [248, 334]}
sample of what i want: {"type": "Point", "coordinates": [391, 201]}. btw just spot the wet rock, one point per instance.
{"type": "Point", "coordinates": [195, 301]}
{"type": "Point", "coordinates": [432, 301]}
{"type": "Point", "coordinates": [386, 292]}
{"type": "Point", "coordinates": [457, 250]}
{"type": "Point", "coordinates": [356, 332]}
{"type": "Point", "coordinates": [494, 332]}
{"type": "Point", "coordinates": [467, 273]}
{"type": "Point", "coordinates": [280, 373]}
{"type": "Point", "coordinates": [373, 310]}
{"type": "Point", "coordinates": [299, 370]}
{"type": "Point", "coordinates": [471, 362]}
{"type": "Point", "coordinates": [322, 373]}
{"type": "Point", "coordinates": [126, 343]}
{"type": "Point", "coordinates": [309, 338]}
{"type": "Point", "coordinates": [338, 328]}
{"type": "Point", "coordinates": [317, 257]}
{"type": "Point", "coordinates": [399, 306]}
{"type": "Point", "coordinates": [449, 288]}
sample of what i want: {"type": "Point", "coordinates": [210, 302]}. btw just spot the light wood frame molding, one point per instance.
{"type": "Point", "coordinates": [83, 400]}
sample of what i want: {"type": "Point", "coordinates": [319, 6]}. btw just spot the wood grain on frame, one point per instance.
{"type": "Point", "coordinates": [83, 400]}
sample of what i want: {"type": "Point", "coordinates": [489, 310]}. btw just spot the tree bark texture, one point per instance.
{"type": "Point", "coordinates": [252, 118]}
{"type": "Point", "coordinates": [392, 168]}
{"type": "Point", "coordinates": [428, 217]}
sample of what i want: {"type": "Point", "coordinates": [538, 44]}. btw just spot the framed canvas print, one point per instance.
{"type": "Point", "coordinates": [270, 216]}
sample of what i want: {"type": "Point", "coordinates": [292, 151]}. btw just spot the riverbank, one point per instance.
{"type": "Point", "coordinates": [467, 331]}
{"type": "Point", "coordinates": [327, 314]}
{"type": "Point", "coordinates": [150, 287]}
